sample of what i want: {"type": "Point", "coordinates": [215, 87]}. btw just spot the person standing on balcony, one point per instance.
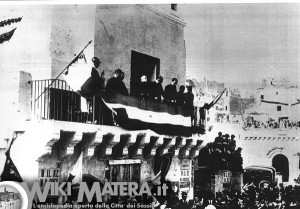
{"type": "Point", "coordinates": [171, 91]}
{"type": "Point", "coordinates": [189, 97]}
{"type": "Point", "coordinates": [95, 83]}
{"type": "Point", "coordinates": [92, 86]}
{"type": "Point", "coordinates": [180, 95]}
{"type": "Point", "coordinates": [189, 102]}
{"type": "Point", "coordinates": [156, 90]}
{"type": "Point", "coordinates": [144, 88]}
{"type": "Point", "coordinates": [116, 84]}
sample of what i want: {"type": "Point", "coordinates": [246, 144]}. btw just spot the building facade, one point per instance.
{"type": "Point", "coordinates": [139, 39]}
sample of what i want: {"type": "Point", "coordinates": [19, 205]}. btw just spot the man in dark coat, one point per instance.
{"type": "Point", "coordinates": [171, 91]}
{"type": "Point", "coordinates": [93, 84]}
{"type": "Point", "coordinates": [115, 84]}
{"type": "Point", "coordinates": [180, 95]}
{"type": "Point", "coordinates": [189, 97]}
{"type": "Point", "coordinates": [156, 89]}
{"type": "Point", "coordinates": [183, 203]}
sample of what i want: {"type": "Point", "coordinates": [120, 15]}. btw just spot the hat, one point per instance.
{"type": "Point", "coordinates": [183, 193]}
{"type": "Point", "coordinates": [96, 59]}
{"type": "Point", "coordinates": [118, 71]}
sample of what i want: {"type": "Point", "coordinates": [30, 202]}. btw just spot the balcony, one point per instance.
{"type": "Point", "coordinates": [59, 102]}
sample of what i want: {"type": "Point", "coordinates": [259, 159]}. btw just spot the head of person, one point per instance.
{"type": "Point", "coordinates": [232, 136]}
{"type": "Point", "coordinates": [196, 199]}
{"type": "Point", "coordinates": [159, 79]}
{"type": "Point", "coordinates": [174, 81]}
{"type": "Point", "coordinates": [118, 73]}
{"type": "Point", "coordinates": [144, 79]}
{"type": "Point", "coordinates": [189, 89]}
{"type": "Point", "coordinates": [220, 133]}
{"type": "Point", "coordinates": [184, 195]}
{"type": "Point", "coordinates": [181, 88]}
{"type": "Point", "coordinates": [96, 61]}
{"type": "Point", "coordinates": [122, 76]}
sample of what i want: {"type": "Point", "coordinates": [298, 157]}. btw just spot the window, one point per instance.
{"type": "Point", "coordinates": [208, 118]}
{"type": "Point", "coordinates": [279, 108]}
{"type": "Point", "coordinates": [174, 7]}
{"type": "Point", "coordinates": [42, 173]}
{"type": "Point", "coordinates": [226, 108]}
{"type": "Point", "coordinates": [226, 177]}
{"type": "Point", "coordinates": [142, 64]}
{"type": "Point", "coordinates": [262, 96]}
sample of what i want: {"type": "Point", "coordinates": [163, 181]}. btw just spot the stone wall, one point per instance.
{"type": "Point", "coordinates": [119, 29]}
{"type": "Point", "coordinates": [267, 147]}
{"type": "Point", "coordinates": [72, 28]}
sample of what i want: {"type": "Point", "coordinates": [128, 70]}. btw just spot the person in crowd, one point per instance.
{"type": "Point", "coordinates": [183, 203]}
{"type": "Point", "coordinates": [116, 84]}
{"type": "Point", "coordinates": [173, 200]}
{"type": "Point", "coordinates": [180, 95]}
{"type": "Point", "coordinates": [171, 91]}
{"type": "Point", "coordinates": [219, 138]}
{"type": "Point", "coordinates": [195, 204]}
{"type": "Point", "coordinates": [156, 89]}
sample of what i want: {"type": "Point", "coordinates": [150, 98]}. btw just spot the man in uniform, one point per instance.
{"type": "Point", "coordinates": [171, 91]}
{"type": "Point", "coordinates": [115, 84]}
{"type": "Point", "coordinates": [94, 84]}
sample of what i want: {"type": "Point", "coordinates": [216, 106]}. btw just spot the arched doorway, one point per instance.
{"type": "Point", "coordinates": [281, 164]}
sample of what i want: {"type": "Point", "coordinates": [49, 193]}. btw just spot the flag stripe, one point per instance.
{"type": "Point", "coordinates": [166, 129]}
{"type": "Point", "coordinates": [148, 116]}
{"type": "Point", "coordinates": [150, 105]}
{"type": "Point", "coordinates": [7, 36]}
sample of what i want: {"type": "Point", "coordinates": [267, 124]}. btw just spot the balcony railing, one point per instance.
{"type": "Point", "coordinates": [60, 102]}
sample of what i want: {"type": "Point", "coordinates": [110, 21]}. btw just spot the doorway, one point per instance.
{"type": "Point", "coordinates": [142, 64]}
{"type": "Point", "coordinates": [281, 164]}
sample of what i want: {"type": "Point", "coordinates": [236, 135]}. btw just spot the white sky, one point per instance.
{"type": "Point", "coordinates": [240, 44]}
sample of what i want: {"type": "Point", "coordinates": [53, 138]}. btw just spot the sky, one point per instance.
{"type": "Point", "coordinates": [240, 44]}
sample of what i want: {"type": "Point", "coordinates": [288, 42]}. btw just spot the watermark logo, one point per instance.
{"type": "Point", "coordinates": [13, 195]}
{"type": "Point", "coordinates": [25, 195]}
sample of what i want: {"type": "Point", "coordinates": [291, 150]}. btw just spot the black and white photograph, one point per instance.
{"type": "Point", "coordinates": [165, 105]}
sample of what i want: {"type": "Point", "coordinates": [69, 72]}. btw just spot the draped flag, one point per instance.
{"type": "Point", "coordinates": [10, 171]}
{"type": "Point", "coordinates": [7, 36]}
{"type": "Point", "coordinates": [77, 170]}
{"type": "Point", "coordinates": [133, 113]}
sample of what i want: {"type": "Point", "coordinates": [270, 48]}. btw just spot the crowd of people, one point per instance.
{"type": "Point", "coordinates": [270, 196]}
{"type": "Point", "coordinates": [221, 154]}
{"type": "Point", "coordinates": [250, 122]}
{"type": "Point", "coordinates": [153, 90]}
